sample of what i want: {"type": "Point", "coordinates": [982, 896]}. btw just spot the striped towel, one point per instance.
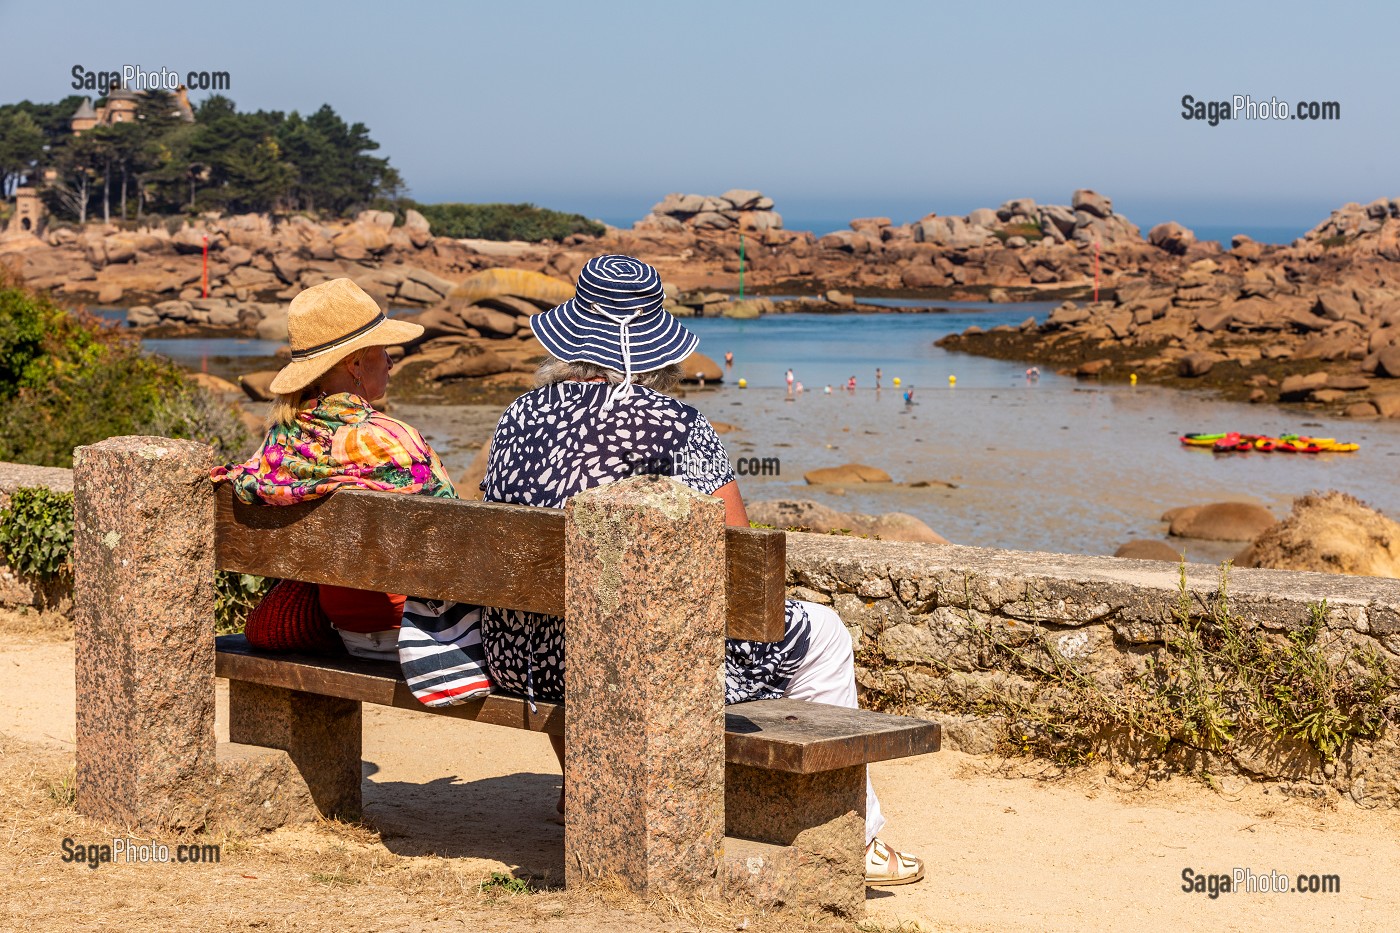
{"type": "Point", "coordinates": [440, 652]}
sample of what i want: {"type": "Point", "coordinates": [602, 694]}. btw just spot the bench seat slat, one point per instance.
{"type": "Point", "coordinates": [778, 735]}
{"type": "Point", "coordinates": [486, 553]}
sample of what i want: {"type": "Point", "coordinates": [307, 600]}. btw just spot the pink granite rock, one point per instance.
{"type": "Point", "coordinates": [143, 636]}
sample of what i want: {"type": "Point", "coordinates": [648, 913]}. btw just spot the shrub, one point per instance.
{"type": "Point", "coordinates": [505, 222]}
{"type": "Point", "coordinates": [36, 532]}
{"type": "Point", "coordinates": [68, 379]}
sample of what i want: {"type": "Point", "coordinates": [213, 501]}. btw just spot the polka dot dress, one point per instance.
{"type": "Point", "coordinates": [557, 441]}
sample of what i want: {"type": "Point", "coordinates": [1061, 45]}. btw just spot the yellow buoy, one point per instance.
{"type": "Point", "coordinates": [1132, 379]}
{"type": "Point", "coordinates": [896, 380]}
{"type": "Point", "coordinates": [952, 380]}
{"type": "Point", "coordinates": [743, 383]}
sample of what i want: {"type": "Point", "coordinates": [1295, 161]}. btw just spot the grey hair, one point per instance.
{"type": "Point", "coordinates": [554, 370]}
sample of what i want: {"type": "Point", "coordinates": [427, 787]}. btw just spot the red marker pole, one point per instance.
{"type": "Point", "coordinates": [1096, 272]}
{"type": "Point", "coordinates": [206, 267]}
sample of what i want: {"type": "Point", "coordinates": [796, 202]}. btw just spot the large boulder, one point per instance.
{"type": "Point", "coordinates": [535, 287]}
{"type": "Point", "coordinates": [1388, 363]}
{"type": "Point", "coordinates": [806, 515]}
{"type": "Point", "coordinates": [488, 321]}
{"type": "Point", "coordinates": [1091, 202]}
{"type": "Point", "coordinates": [258, 385]}
{"type": "Point", "coordinates": [470, 362]}
{"type": "Point", "coordinates": [1198, 363]}
{"type": "Point", "coordinates": [1172, 237]}
{"type": "Point", "coordinates": [1329, 533]}
{"type": "Point", "coordinates": [846, 474]}
{"type": "Point", "coordinates": [1148, 550]}
{"type": "Point", "coordinates": [1219, 521]}
{"type": "Point", "coordinates": [360, 241]}
{"type": "Point", "coordinates": [698, 367]}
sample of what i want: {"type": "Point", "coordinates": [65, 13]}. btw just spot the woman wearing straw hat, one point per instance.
{"type": "Point", "coordinates": [323, 434]}
{"type": "Point", "coordinates": [601, 413]}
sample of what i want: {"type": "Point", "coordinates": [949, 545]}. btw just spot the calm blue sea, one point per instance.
{"type": "Point", "coordinates": [827, 349]}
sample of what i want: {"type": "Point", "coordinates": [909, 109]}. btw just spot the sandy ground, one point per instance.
{"type": "Point", "coordinates": [1011, 845]}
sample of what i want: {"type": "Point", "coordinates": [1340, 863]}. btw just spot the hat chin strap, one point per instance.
{"type": "Point", "coordinates": [623, 389]}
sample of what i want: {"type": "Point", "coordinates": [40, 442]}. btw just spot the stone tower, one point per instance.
{"type": "Point", "coordinates": [84, 119]}
{"type": "Point", "coordinates": [29, 212]}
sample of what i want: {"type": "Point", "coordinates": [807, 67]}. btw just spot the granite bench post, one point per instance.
{"type": "Point", "coordinates": [143, 593]}
{"type": "Point", "coordinates": [645, 744]}
{"type": "Point", "coordinates": [322, 735]}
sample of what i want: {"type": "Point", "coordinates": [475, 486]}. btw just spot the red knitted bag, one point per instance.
{"type": "Point", "coordinates": [289, 618]}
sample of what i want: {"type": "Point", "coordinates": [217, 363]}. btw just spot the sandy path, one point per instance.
{"type": "Point", "coordinates": [1006, 853]}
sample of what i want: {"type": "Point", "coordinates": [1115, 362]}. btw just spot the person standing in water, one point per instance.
{"type": "Point", "coordinates": [789, 381]}
{"type": "Point", "coordinates": [728, 359]}
{"type": "Point", "coordinates": [877, 378]}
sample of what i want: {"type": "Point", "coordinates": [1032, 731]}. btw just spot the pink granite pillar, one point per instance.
{"type": "Point", "coordinates": [644, 684]}
{"type": "Point", "coordinates": [143, 593]}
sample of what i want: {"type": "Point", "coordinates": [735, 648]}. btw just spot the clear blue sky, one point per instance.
{"type": "Point", "coordinates": [835, 110]}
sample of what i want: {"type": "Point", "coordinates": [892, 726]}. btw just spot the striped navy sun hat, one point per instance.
{"type": "Point", "coordinates": [615, 320]}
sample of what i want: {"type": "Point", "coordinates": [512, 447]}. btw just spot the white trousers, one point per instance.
{"type": "Point", "coordinates": [828, 675]}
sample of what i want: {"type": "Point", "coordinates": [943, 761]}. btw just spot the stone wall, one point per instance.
{"type": "Point", "coordinates": [940, 630]}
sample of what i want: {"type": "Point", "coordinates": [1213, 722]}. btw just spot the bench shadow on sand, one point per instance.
{"type": "Point", "coordinates": [508, 819]}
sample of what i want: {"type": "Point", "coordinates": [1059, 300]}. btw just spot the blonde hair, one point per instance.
{"type": "Point", "coordinates": [554, 370]}
{"type": "Point", "coordinates": [285, 406]}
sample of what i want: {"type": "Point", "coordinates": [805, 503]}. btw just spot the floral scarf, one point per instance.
{"type": "Point", "coordinates": [339, 441]}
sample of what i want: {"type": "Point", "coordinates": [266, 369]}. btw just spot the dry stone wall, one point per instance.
{"type": "Point", "coordinates": [950, 632]}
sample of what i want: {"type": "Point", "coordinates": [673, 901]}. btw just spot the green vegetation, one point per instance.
{"type": "Point", "coordinates": [225, 160]}
{"type": "Point", "coordinates": [1332, 242]}
{"type": "Point", "coordinates": [505, 222]}
{"type": "Point", "coordinates": [502, 883]}
{"type": "Point", "coordinates": [36, 532]}
{"type": "Point", "coordinates": [235, 595]}
{"type": "Point", "coordinates": [67, 379]}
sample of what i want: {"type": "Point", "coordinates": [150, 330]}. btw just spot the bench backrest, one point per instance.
{"type": "Point", "coordinates": [487, 553]}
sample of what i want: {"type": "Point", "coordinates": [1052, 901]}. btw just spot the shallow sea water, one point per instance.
{"type": "Point", "coordinates": [1054, 464]}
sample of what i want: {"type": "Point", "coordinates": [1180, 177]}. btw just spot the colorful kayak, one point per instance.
{"type": "Point", "coordinates": [1235, 442]}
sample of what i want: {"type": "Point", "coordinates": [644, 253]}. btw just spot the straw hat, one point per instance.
{"type": "Point", "coordinates": [328, 322]}
{"type": "Point", "coordinates": [615, 320]}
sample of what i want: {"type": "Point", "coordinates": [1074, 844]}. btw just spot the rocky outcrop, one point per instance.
{"type": "Point", "coordinates": [1316, 323]}
{"type": "Point", "coordinates": [1329, 533]}
{"type": "Point", "coordinates": [806, 515]}
{"type": "Point", "coordinates": [736, 209]}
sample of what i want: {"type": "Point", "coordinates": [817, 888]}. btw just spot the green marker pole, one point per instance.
{"type": "Point", "coordinates": [741, 265]}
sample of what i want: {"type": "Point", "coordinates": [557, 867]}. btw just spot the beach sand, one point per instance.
{"type": "Point", "coordinates": [1011, 845]}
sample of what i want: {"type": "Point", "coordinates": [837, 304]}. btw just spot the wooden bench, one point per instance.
{"type": "Point", "coordinates": [667, 789]}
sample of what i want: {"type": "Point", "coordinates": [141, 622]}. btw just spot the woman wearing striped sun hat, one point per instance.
{"type": "Point", "coordinates": [600, 413]}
